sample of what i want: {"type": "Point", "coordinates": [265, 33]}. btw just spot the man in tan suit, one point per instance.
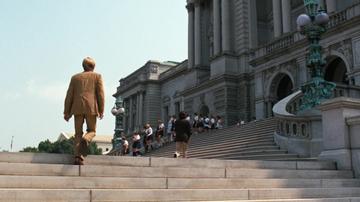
{"type": "Point", "coordinates": [84, 100]}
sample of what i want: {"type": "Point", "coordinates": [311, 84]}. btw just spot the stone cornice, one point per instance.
{"type": "Point", "coordinates": [353, 120]}
{"type": "Point", "coordinates": [223, 54]}
{"type": "Point", "coordinates": [129, 87]}
{"type": "Point", "coordinates": [340, 102]}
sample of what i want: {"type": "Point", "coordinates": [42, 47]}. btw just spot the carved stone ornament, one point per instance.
{"type": "Point", "coordinates": [154, 68]}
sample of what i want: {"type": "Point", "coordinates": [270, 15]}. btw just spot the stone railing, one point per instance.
{"type": "Point", "coordinates": [287, 40]}
{"type": "Point", "coordinates": [343, 90]}
{"type": "Point", "coordinates": [337, 19]}
{"type": "Point", "coordinates": [282, 42]}
{"type": "Point", "coordinates": [277, 44]}
{"type": "Point", "coordinates": [297, 133]}
{"type": "Point", "coordinates": [289, 124]}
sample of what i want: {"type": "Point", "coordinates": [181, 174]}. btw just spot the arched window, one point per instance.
{"type": "Point", "coordinates": [335, 71]}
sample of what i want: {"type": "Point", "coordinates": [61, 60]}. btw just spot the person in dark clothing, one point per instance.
{"type": "Point", "coordinates": [183, 134]}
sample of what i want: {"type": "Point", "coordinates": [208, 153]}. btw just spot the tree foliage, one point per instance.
{"type": "Point", "coordinates": [30, 149]}
{"type": "Point", "coordinates": [61, 147]}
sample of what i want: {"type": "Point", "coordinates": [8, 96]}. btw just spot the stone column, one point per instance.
{"type": "Point", "coordinates": [216, 27]}
{"type": "Point", "coordinates": [130, 124]}
{"type": "Point", "coordinates": [337, 140]}
{"type": "Point", "coordinates": [253, 24]}
{"type": "Point", "coordinates": [141, 97]}
{"type": "Point", "coordinates": [190, 8]}
{"type": "Point", "coordinates": [125, 123]}
{"type": "Point", "coordinates": [138, 110]}
{"type": "Point", "coordinates": [197, 34]}
{"type": "Point", "coordinates": [286, 16]}
{"type": "Point", "coordinates": [270, 104]}
{"type": "Point", "coordinates": [277, 17]}
{"type": "Point", "coordinates": [225, 29]}
{"type": "Point", "coordinates": [331, 6]}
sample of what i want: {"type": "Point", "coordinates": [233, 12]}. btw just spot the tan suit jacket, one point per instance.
{"type": "Point", "coordinates": [85, 95]}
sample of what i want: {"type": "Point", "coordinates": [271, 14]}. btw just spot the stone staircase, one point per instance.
{"type": "Point", "coordinates": [253, 140]}
{"type": "Point", "coordinates": [51, 177]}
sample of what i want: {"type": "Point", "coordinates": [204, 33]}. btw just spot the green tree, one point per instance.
{"type": "Point", "coordinates": [30, 149]}
{"type": "Point", "coordinates": [46, 146]}
{"type": "Point", "coordinates": [94, 150]}
{"type": "Point", "coordinates": [62, 147]}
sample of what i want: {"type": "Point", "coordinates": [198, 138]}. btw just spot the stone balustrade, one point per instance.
{"type": "Point", "coordinates": [289, 124]}
{"type": "Point", "coordinates": [298, 133]}
{"type": "Point", "coordinates": [343, 90]}
{"type": "Point", "coordinates": [289, 39]}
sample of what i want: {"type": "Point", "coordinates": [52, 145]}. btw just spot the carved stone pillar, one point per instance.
{"type": "Point", "coordinates": [286, 16]}
{"type": "Point", "coordinates": [225, 29]}
{"type": "Point", "coordinates": [131, 124]}
{"type": "Point", "coordinates": [191, 47]}
{"type": "Point", "coordinates": [253, 31]}
{"type": "Point", "coordinates": [141, 97]}
{"type": "Point", "coordinates": [277, 17]}
{"type": "Point", "coordinates": [217, 25]}
{"type": "Point", "coordinates": [197, 34]}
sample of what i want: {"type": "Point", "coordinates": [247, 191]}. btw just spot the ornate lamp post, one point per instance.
{"type": "Point", "coordinates": [313, 25]}
{"type": "Point", "coordinates": [118, 111]}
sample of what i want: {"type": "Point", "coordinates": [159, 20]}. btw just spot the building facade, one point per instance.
{"type": "Point", "coordinates": [243, 57]}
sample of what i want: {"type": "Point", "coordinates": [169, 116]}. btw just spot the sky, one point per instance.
{"type": "Point", "coordinates": [43, 42]}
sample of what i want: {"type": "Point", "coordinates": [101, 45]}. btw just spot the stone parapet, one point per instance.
{"type": "Point", "coordinates": [340, 118]}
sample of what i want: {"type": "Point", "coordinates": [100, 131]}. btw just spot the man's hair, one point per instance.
{"type": "Point", "coordinates": [88, 64]}
{"type": "Point", "coordinates": [182, 115]}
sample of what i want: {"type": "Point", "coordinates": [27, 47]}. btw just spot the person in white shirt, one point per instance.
{"type": "Point", "coordinates": [125, 146]}
{"type": "Point", "coordinates": [160, 133]}
{"type": "Point", "coordinates": [148, 137]}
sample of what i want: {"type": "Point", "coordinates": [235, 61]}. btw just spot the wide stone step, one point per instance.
{"type": "Point", "coordinates": [239, 131]}
{"type": "Point", "coordinates": [254, 164]}
{"type": "Point", "coordinates": [287, 174]}
{"type": "Point", "coordinates": [210, 147]}
{"type": "Point", "coordinates": [66, 182]}
{"type": "Point", "coordinates": [57, 182]}
{"type": "Point", "coordinates": [39, 169]}
{"type": "Point", "coordinates": [102, 195]}
{"type": "Point", "coordinates": [261, 157]}
{"type": "Point", "coordinates": [235, 136]}
{"type": "Point", "coordinates": [34, 159]}
{"type": "Point", "coordinates": [231, 142]}
{"type": "Point", "coordinates": [175, 172]}
{"type": "Point", "coordinates": [176, 183]}
{"type": "Point", "coordinates": [163, 172]}
{"type": "Point", "coordinates": [239, 153]}
{"type": "Point", "coordinates": [345, 199]}
{"type": "Point", "coordinates": [219, 149]}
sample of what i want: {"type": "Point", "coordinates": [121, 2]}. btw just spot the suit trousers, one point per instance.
{"type": "Point", "coordinates": [81, 142]}
{"type": "Point", "coordinates": [181, 149]}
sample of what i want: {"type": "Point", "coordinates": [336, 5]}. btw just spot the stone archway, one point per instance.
{"type": "Point", "coordinates": [335, 71]}
{"type": "Point", "coordinates": [280, 87]}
